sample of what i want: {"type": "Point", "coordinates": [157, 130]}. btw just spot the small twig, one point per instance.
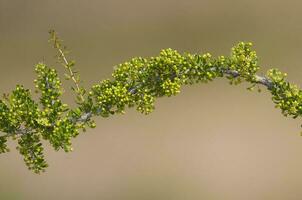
{"type": "Point", "coordinates": [68, 65]}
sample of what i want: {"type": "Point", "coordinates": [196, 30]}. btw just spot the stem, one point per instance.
{"type": "Point", "coordinates": [57, 45]}
{"type": "Point", "coordinates": [261, 80]}
{"type": "Point", "coordinates": [67, 66]}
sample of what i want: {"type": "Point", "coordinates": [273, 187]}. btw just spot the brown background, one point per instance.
{"type": "Point", "coordinates": [213, 141]}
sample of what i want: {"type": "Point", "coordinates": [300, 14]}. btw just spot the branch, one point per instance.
{"type": "Point", "coordinates": [67, 64]}
{"type": "Point", "coordinates": [136, 83]}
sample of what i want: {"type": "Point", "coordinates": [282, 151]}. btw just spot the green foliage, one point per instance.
{"type": "Point", "coordinates": [244, 61]}
{"type": "Point", "coordinates": [136, 83]}
{"type": "Point", "coordinates": [286, 96]}
{"type": "Point", "coordinates": [31, 149]}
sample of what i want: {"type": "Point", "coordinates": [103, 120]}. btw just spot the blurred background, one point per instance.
{"type": "Point", "coordinates": [213, 141]}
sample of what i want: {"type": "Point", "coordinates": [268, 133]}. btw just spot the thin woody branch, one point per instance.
{"type": "Point", "coordinates": [136, 83]}
{"type": "Point", "coordinates": [67, 64]}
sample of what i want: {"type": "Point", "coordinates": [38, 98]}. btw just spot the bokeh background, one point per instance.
{"type": "Point", "coordinates": [213, 141]}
